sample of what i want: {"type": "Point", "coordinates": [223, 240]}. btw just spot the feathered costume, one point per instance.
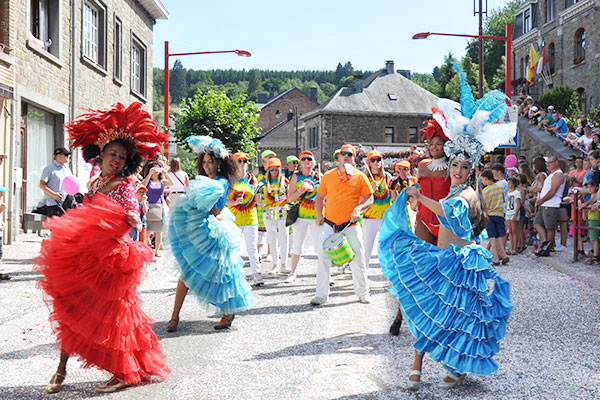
{"type": "Point", "coordinates": [443, 294]}
{"type": "Point", "coordinates": [91, 268]}
{"type": "Point", "coordinates": [207, 249]}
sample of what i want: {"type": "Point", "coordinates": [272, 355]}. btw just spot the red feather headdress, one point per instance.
{"type": "Point", "coordinates": [433, 127]}
{"type": "Point", "coordinates": [100, 127]}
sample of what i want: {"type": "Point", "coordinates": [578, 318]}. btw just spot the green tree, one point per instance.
{"type": "Point", "coordinates": [254, 83]}
{"type": "Point", "coordinates": [427, 82]}
{"type": "Point", "coordinates": [213, 113]}
{"type": "Point", "coordinates": [573, 111]}
{"type": "Point", "coordinates": [493, 50]}
{"type": "Point", "coordinates": [177, 82]}
{"type": "Point", "coordinates": [500, 76]}
{"type": "Point", "coordinates": [559, 97]}
{"type": "Point", "coordinates": [447, 71]}
{"type": "Point", "coordinates": [328, 89]}
{"type": "Point", "coordinates": [273, 84]}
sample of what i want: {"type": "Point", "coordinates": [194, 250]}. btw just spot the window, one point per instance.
{"type": "Point", "coordinates": [44, 24]}
{"type": "Point", "coordinates": [526, 20]}
{"type": "Point", "coordinates": [118, 50]}
{"type": "Point", "coordinates": [549, 10]}
{"type": "Point", "coordinates": [413, 135]}
{"type": "Point", "coordinates": [138, 66]}
{"type": "Point", "coordinates": [569, 3]}
{"type": "Point", "coordinates": [4, 23]}
{"type": "Point", "coordinates": [551, 58]}
{"type": "Point", "coordinates": [389, 134]}
{"type": "Point", "coordinates": [313, 137]}
{"type": "Point", "coordinates": [579, 46]}
{"type": "Point", "coordinates": [94, 33]}
{"type": "Point", "coordinates": [392, 96]}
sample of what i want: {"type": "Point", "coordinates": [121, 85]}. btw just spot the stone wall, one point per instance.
{"type": "Point", "coordinates": [269, 116]}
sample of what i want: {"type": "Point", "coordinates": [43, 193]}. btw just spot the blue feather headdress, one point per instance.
{"type": "Point", "coordinates": [475, 127]}
{"type": "Point", "coordinates": [207, 144]}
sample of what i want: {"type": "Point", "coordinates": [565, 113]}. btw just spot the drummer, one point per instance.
{"type": "Point", "coordinates": [348, 193]}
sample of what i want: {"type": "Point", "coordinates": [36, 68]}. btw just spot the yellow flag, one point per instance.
{"type": "Point", "coordinates": [533, 60]}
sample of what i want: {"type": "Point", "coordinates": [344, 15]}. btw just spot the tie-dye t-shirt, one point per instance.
{"type": "Point", "coordinates": [278, 190]}
{"type": "Point", "coordinates": [259, 211]}
{"type": "Point", "coordinates": [381, 197]}
{"type": "Point", "coordinates": [245, 213]}
{"type": "Point", "coordinates": [307, 206]}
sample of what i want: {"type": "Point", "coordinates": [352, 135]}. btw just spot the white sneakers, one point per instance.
{"type": "Point", "coordinates": [317, 301]}
{"type": "Point", "coordinates": [560, 247]}
{"type": "Point", "coordinates": [366, 299]}
{"type": "Point", "coordinates": [258, 280]}
{"type": "Point", "coordinates": [290, 278]}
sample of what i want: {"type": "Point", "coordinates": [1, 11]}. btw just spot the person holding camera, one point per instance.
{"type": "Point", "coordinates": [156, 181]}
{"type": "Point", "coordinates": [55, 199]}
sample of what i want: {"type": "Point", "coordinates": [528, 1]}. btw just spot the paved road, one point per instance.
{"type": "Point", "coordinates": [287, 349]}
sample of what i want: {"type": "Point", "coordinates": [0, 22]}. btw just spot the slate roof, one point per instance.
{"type": "Point", "coordinates": [375, 97]}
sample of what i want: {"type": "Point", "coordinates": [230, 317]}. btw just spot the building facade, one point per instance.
{"type": "Point", "coordinates": [65, 57]}
{"type": "Point", "coordinates": [568, 30]}
{"type": "Point", "coordinates": [386, 109]}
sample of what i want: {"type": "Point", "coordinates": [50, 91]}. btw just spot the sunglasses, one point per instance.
{"type": "Point", "coordinates": [273, 169]}
{"type": "Point", "coordinates": [347, 154]}
{"type": "Point", "coordinates": [306, 159]}
{"type": "Point", "coordinates": [242, 161]}
{"type": "Point", "coordinates": [296, 162]}
{"type": "Point", "coordinates": [375, 159]}
{"type": "Point", "coordinates": [402, 169]}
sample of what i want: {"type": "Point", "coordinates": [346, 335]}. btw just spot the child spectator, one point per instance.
{"type": "Point", "coordinates": [545, 119]}
{"type": "Point", "coordinates": [513, 213]}
{"type": "Point", "coordinates": [523, 212]}
{"type": "Point", "coordinates": [493, 195]}
{"type": "Point", "coordinates": [594, 218]}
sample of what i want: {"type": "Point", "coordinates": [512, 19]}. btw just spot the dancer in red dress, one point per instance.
{"type": "Point", "coordinates": [434, 183]}
{"type": "Point", "coordinates": [91, 266]}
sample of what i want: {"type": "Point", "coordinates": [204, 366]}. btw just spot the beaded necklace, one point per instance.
{"type": "Point", "coordinates": [99, 183]}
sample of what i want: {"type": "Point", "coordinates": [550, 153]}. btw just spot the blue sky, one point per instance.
{"type": "Point", "coordinates": [315, 35]}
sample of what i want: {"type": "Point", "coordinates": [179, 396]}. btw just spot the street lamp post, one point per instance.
{"type": "Point", "coordinates": [507, 39]}
{"type": "Point", "coordinates": [241, 53]}
{"type": "Point", "coordinates": [295, 108]}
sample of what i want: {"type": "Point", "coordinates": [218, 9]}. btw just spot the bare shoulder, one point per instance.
{"type": "Point", "coordinates": [468, 194]}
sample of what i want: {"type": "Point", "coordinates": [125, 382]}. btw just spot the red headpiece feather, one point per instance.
{"type": "Point", "coordinates": [433, 127]}
{"type": "Point", "coordinates": [100, 127]}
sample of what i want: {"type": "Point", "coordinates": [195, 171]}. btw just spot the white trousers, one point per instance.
{"type": "Point", "coordinates": [358, 265]}
{"type": "Point", "coordinates": [277, 238]}
{"type": "Point", "coordinates": [299, 229]}
{"type": "Point", "coordinates": [250, 234]}
{"type": "Point", "coordinates": [371, 228]}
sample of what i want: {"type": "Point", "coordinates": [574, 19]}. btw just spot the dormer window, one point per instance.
{"type": "Point", "coordinates": [392, 96]}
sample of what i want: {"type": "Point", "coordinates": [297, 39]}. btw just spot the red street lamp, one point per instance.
{"type": "Point", "coordinates": [241, 53]}
{"type": "Point", "coordinates": [507, 39]}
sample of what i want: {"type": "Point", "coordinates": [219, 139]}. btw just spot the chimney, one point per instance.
{"type": "Point", "coordinates": [261, 98]}
{"type": "Point", "coordinates": [389, 67]}
{"type": "Point", "coordinates": [312, 94]}
{"type": "Point", "coordinates": [358, 83]}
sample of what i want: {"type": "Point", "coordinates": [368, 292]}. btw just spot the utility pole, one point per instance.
{"type": "Point", "coordinates": [480, 11]}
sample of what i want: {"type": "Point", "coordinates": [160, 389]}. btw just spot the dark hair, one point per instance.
{"type": "Point", "coordinates": [595, 181]}
{"type": "Point", "coordinates": [478, 209]}
{"type": "Point", "coordinates": [579, 158]}
{"type": "Point", "coordinates": [514, 180]}
{"type": "Point", "coordinates": [524, 179]}
{"type": "Point", "coordinates": [227, 166]}
{"type": "Point", "coordinates": [526, 170]}
{"type": "Point", "coordinates": [498, 167]}
{"type": "Point", "coordinates": [488, 174]}
{"type": "Point", "coordinates": [132, 162]}
{"type": "Point", "coordinates": [175, 164]}
{"type": "Point", "coordinates": [596, 154]}
{"type": "Point", "coordinates": [539, 165]}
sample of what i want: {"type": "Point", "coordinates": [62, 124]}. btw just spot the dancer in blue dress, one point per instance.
{"type": "Point", "coordinates": [455, 303]}
{"type": "Point", "coordinates": [205, 239]}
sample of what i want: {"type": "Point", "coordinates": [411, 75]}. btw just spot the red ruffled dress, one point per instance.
{"type": "Point", "coordinates": [434, 188]}
{"type": "Point", "coordinates": [91, 271]}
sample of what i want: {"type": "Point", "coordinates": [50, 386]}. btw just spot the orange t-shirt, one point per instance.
{"type": "Point", "coordinates": [343, 195]}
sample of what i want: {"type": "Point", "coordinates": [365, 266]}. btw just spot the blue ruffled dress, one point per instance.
{"type": "Point", "coordinates": [207, 249]}
{"type": "Point", "coordinates": [443, 294]}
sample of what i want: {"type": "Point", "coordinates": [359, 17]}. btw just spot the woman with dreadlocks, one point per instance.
{"type": "Point", "coordinates": [90, 265]}
{"type": "Point", "coordinates": [453, 301]}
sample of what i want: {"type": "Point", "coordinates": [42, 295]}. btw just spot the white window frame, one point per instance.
{"type": "Point", "coordinates": [118, 49]}
{"type": "Point", "coordinates": [139, 54]}
{"type": "Point", "coordinates": [91, 34]}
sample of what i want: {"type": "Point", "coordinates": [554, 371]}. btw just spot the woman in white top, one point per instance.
{"type": "Point", "coordinates": [180, 179]}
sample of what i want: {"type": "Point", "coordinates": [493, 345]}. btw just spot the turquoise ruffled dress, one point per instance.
{"type": "Point", "coordinates": [443, 294]}
{"type": "Point", "coordinates": [207, 249]}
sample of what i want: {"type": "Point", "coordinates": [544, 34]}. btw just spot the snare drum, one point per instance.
{"type": "Point", "coordinates": [339, 249]}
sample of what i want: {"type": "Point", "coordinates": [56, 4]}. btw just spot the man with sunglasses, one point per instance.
{"type": "Point", "coordinates": [343, 194]}
{"type": "Point", "coordinates": [292, 166]}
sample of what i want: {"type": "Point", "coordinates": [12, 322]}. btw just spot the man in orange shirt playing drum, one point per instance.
{"type": "Point", "coordinates": [343, 194]}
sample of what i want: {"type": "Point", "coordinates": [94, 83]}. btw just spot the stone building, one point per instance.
{"type": "Point", "coordinates": [384, 109]}
{"type": "Point", "coordinates": [59, 58]}
{"type": "Point", "coordinates": [279, 124]}
{"type": "Point", "coordinates": [564, 28]}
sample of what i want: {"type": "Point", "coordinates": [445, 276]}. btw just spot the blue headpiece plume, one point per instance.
{"type": "Point", "coordinates": [207, 144]}
{"type": "Point", "coordinates": [476, 127]}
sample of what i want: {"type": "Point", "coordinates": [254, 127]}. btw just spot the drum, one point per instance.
{"type": "Point", "coordinates": [338, 249]}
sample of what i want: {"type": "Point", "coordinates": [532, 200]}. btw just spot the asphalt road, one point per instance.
{"type": "Point", "coordinates": [287, 349]}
